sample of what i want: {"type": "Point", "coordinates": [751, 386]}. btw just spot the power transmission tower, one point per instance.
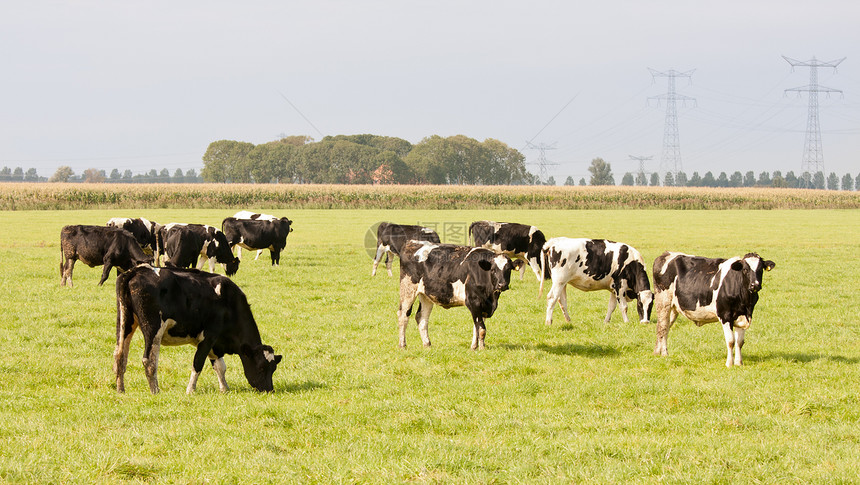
{"type": "Point", "coordinates": [641, 166]}
{"type": "Point", "coordinates": [542, 162]}
{"type": "Point", "coordinates": [671, 161]}
{"type": "Point", "coordinates": [813, 155]}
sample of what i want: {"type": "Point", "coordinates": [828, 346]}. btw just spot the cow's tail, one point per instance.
{"type": "Point", "coordinates": [124, 316]}
{"type": "Point", "coordinates": [542, 271]}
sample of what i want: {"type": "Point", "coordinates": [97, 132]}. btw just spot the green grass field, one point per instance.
{"type": "Point", "coordinates": [572, 403]}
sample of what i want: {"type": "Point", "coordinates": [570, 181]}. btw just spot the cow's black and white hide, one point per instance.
{"type": "Point", "coordinates": [258, 234]}
{"type": "Point", "coordinates": [517, 241]}
{"type": "Point", "coordinates": [708, 290]}
{"type": "Point", "coordinates": [143, 230]}
{"type": "Point", "coordinates": [596, 264]}
{"type": "Point", "coordinates": [183, 245]}
{"type": "Point", "coordinates": [391, 237]}
{"type": "Point", "coordinates": [98, 245]}
{"type": "Point", "coordinates": [254, 216]}
{"type": "Point", "coordinates": [449, 275]}
{"type": "Point", "coordinates": [174, 306]}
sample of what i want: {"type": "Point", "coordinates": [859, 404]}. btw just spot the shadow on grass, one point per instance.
{"type": "Point", "coordinates": [300, 387]}
{"type": "Point", "coordinates": [801, 357]}
{"type": "Point", "coordinates": [596, 351]}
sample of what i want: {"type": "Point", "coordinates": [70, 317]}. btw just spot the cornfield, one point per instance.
{"type": "Point", "coordinates": [54, 196]}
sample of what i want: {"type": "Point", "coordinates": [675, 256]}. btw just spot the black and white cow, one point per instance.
{"type": "Point", "coordinates": [449, 275]}
{"type": "Point", "coordinates": [517, 241]}
{"type": "Point", "coordinates": [143, 230]}
{"type": "Point", "coordinates": [175, 307]}
{"type": "Point", "coordinates": [258, 234]}
{"type": "Point", "coordinates": [596, 264]}
{"type": "Point", "coordinates": [98, 245]}
{"type": "Point", "coordinates": [254, 216]}
{"type": "Point", "coordinates": [183, 244]}
{"type": "Point", "coordinates": [391, 237]}
{"type": "Point", "coordinates": [708, 290]}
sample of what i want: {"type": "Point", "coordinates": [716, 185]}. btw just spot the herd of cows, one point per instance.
{"type": "Point", "coordinates": [174, 305]}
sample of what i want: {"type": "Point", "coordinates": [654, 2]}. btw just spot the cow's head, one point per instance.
{"type": "Point", "coordinates": [220, 249]}
{"type": "Point", "coordinates": [757, 266]}
{"type": "Point", "coordinates": [499, 271]}
{"type": "Point", "coordinates": [259, 363]}
{"type": "Point", "coordinates": [287, 223]}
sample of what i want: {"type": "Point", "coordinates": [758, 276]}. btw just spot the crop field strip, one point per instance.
{"type": "Point", "coordinates": [53, 196]}
{"type": "Point", "coordinates": [583, 402]}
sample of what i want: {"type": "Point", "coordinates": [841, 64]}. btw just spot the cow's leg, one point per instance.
{"type": "Point", "coordinates": [552, 297]}
{"type": "Point", "coordinates": [408, 293]}
{"type": "Point", "coordinates": [622, 302]}
{"type": "Point", "coordinates": [239, 251]}
{"type": "Point", "coordinates": [276, 256]}
{"type": "Point", "coordinates": [259, 252]}
{"type": "Point", "coordinates": [666, 316]}
{"type": "Point", "coordinates": [125, 327]}
{"type": "Point", "coordinates": [212, 262]}
{"type": "Point", "coordinates": [522, 270]}
{"type": "Point", "coordinates": [613, 302]}
{"type": "Point", "coordinates": [380, 249]}
{"type": "Point", "coordinates": [424, 308]}
{"type": "Point", "coordinates": [106, 271]}
{"type": "Point", "coordinates": [388, 262]}
{"type": "Point", "coordinates": [202, 260]}
{"type": "Point", "coordinates": [730, 342]}
{"type": "Point", "coordinates": [203, 350]}
{"type": "Point", "coordinates": [152, 330]}
{"type": "Point", "coordinates": [220, 368]}
{"type": "Point", "coordinates": [68, 268]}
{"type": "Point", "coordinates": [562, 302]}
{"type": "Point", "coordinates": [739, 343]}
{"type": "Point", "coordinates": [478, 334]}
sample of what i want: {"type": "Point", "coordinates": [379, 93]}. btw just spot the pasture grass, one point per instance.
{"type": "Point", "coordinates": [580, 402]}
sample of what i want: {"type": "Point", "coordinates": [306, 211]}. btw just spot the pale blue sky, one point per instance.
{"type": "Point", "coordinates": [146, 85]}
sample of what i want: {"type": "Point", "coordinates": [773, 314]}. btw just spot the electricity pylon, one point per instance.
{"type": "Point", "coordinates": [813, 154]}
{"type": "Point", "coordinates": [671, 161]}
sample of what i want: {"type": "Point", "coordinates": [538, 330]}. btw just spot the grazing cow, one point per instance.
{"type": "Point", "coordinates": [596, 264]}
{"type": "Point", "coordinates": [708, 290]}
{"type": "Point", "coordinates": [183, 244]}
{"type": "Point", "coordinates": [391, 237]}
{"type": "Point", "coordinates": [517, 241]}
{"type": "Point", "coordinates": [448, 275]}
{"type": "Point", "coordinates": [258, 234]}
{"type": "Point", "coordinates": [143, 230]}
{"type": "Point", "coordinates": [175, 307]}
{"type": "Point", "coordinates": [98, 245]}
{"type": "Point", "coordinates": [254, 216]}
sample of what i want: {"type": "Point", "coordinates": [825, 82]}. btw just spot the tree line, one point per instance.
{"type": "Point", "coordinates": [601, 174]}
{"type": "Point", "coordinates": [366, 159]}
{"type": "Point", "coordinates": [93, 175]}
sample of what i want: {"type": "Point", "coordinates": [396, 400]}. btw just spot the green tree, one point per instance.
{"type": "Point", "coordinates": [695, 180]}
{"type": "Point", "coordinates": [18, 174]}
{"type": "Point", "coordinates": [178, 176]}
{"type": "Point", "coordinates": [655, 179]}
{"type": "Point", "coordinates": [723, 180]}
{"type": "Point", "coordinates": [832, 181]}
{"type": "Point", "coordinates": [791, 180]}
{"type": "Point", "coordinates": [818, 180]}
{"type": "Point", "coordinates": [736, 180]}
{"type": "Point", "coordinates": [582, 182]}
{"type": "Point", "coordinates": [641, 179]}
{"type": "Point", "coordinates": [5, 174]}
{"type": "Point", "coordinates": [627, 179]}
{"type": "Point", "coordinates": [63, 174]}
{"type": "Point", "coordinates": [708, 180]}
{"type": "Point", "coordinates": [764, 179]}
{"type": "Point", "coordinates": [32, 176]}
{"type": "Point", "coordinates": [569, 180]}
{"type": "Point", "coordinates": [847, 182]}
{"type": "Point", "coordinates": [227, 161]}
{"type": "Point", "coordinates": [93, 176]}
{"type": "Point", "coordinates": [669, 180]}
{"type": "Point", "coordinates": [681, 181]}
{"type": "Point", "coordinates": [601, 172]}
{"type": "Point", "coordinates": [749, 179]}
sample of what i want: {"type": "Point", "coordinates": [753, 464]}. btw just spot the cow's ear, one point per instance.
{"type": "Point", "coordinates": [278, 359]}
{"type": "Point", "coordinates": [769, 265]}
{"type": "Point", "coordinates": [517, 264]}
{"type": "Point", "coordinates": [485, 265]}
{"type": "Point", "coordinates": [737, 266]}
